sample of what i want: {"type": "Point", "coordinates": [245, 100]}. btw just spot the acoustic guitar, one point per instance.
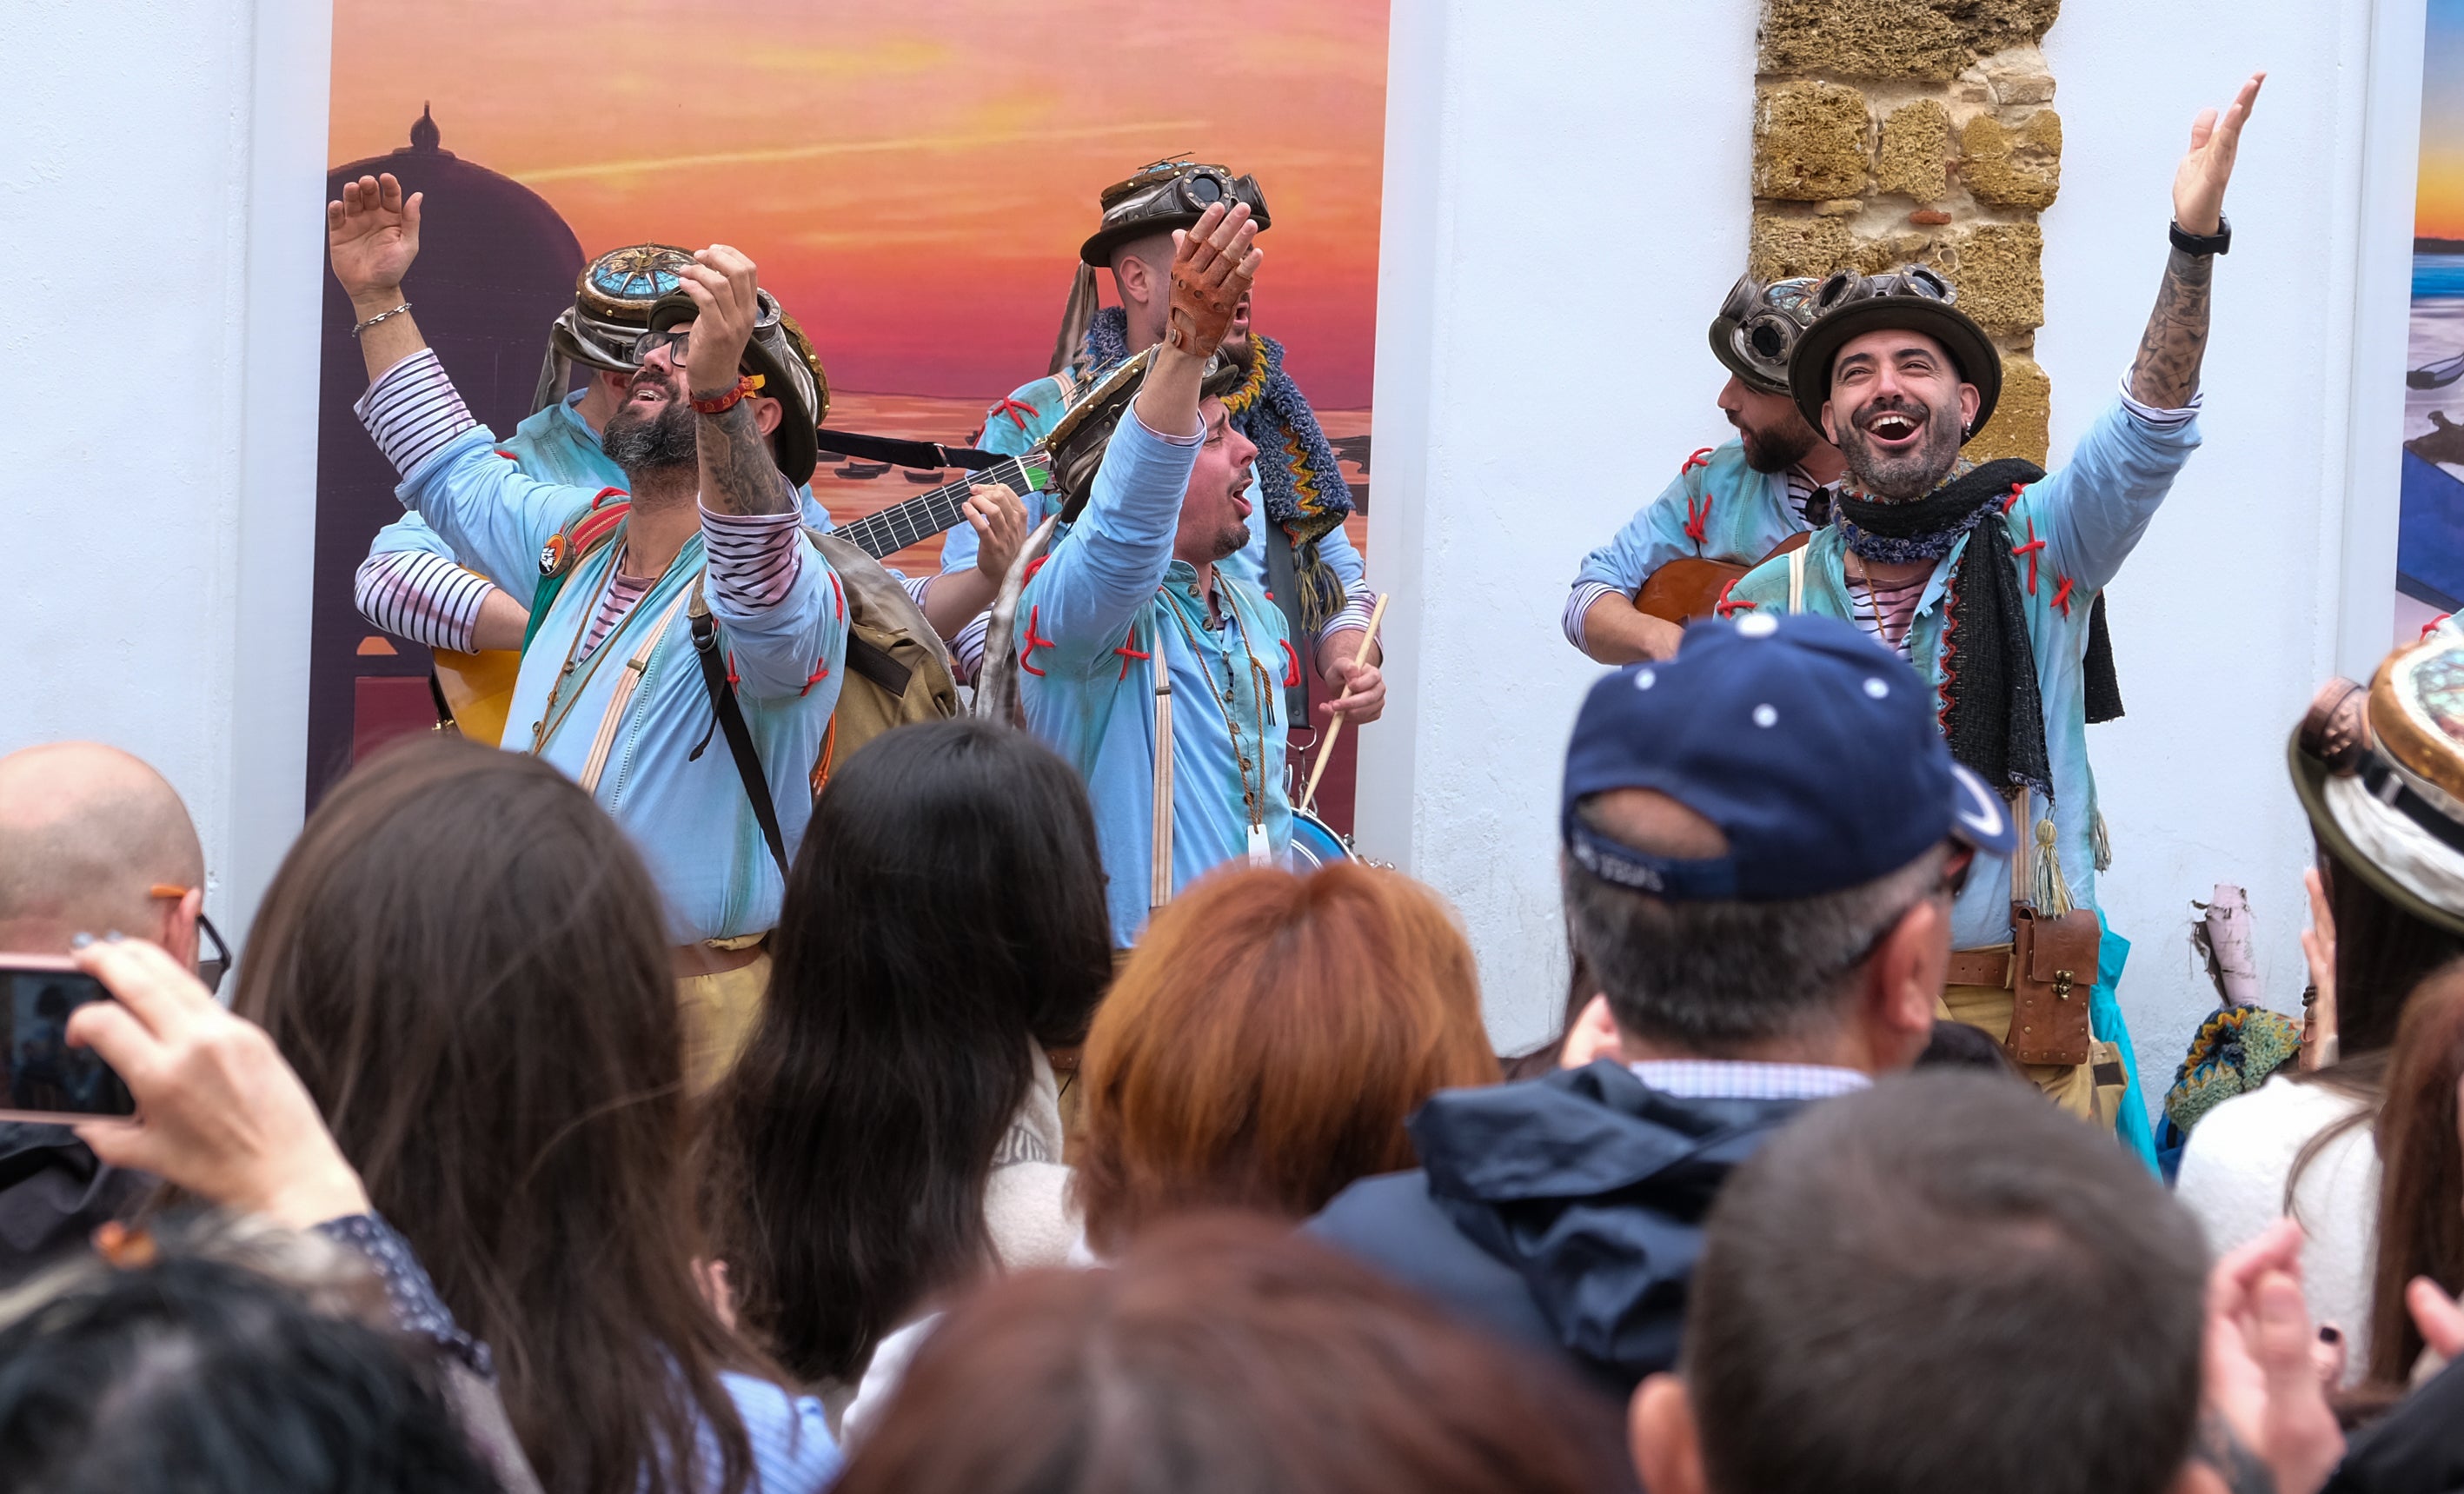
{"type": "Point", "coordinates": [479, 688]}
{"type": "Point", "coordinates": [1685, 589]}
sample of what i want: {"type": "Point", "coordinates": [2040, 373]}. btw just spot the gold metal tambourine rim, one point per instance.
{"type": "Point", "coordinates": [2404, 733]}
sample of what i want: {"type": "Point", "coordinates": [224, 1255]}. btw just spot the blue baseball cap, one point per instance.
{"type": "Point", "coordinates": [1810, 745]}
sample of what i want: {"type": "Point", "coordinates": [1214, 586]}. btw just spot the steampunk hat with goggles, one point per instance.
{"type": "Point", "coordinates": [1165, 196]}
{"type": "Point", "coordinates": [779, 354]}
{"type": "Point", "coordinates": [611, 308]}
{"type": "Point", "coordinates": [2380, 770]}
{"type": "Point", "coordinates": [1912, 298]}
{"type": "Point", "coordinates": [1757, 329]}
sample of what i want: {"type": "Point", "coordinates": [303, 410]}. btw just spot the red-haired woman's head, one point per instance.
{"type": "Point", "coordinates": [1266, 1041]}
{"type": "Point", "coordinates": [1222, 1355]}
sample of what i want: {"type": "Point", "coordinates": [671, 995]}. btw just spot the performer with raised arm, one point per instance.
{"type": "Point", "coordinates": [1989, 578]}
{"type": "Point", "coordinates": [411, 584]}
{"type": "Point", "coordinates": [1732, 504]}
{"type": "Point", "coordinates": [610, 690]}
{"type": "Point", "coordinates": [1312, 573]}
{"type": "Point", "coordinates": [1149, 664]}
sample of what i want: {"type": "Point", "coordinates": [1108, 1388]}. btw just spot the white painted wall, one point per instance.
{"type": "Point", "coordinates": [1566, 199]}
{"type": "Point", "coordinates": [161, 171]}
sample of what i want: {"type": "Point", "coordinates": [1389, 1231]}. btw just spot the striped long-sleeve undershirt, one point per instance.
{"type": "Point", "coordinates": [425, 597]}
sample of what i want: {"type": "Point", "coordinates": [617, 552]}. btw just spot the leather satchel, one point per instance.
{"type": "Point", "coordinates": [2053, 969]}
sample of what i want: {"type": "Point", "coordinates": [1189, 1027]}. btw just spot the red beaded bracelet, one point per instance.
{"type": "Point", "coordinates": [719, 405]}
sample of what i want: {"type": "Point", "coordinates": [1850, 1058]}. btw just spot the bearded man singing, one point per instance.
{"type": "Point", "coordinates": [1987, 578]}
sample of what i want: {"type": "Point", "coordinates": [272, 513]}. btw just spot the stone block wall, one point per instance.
{"type": "Point", "coordinates": [1890, 132]}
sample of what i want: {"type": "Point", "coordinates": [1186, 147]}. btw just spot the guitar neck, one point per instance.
{"type": "Point", "coordinates": [894, 528]}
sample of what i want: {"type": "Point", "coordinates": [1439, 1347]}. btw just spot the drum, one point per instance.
{"type": "Point", "coordinates": [1314, 845]}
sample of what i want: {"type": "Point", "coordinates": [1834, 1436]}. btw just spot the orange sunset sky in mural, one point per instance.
{"type": "Point", "coordinates": [914, 178]}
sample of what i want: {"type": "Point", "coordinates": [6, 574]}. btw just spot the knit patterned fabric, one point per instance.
{"type": "Point", "coordinates": [2233, 1053]}
{"type": "Point", "coordinates": [1298, 475]}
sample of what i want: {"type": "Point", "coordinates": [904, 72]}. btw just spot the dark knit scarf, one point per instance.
{"type": "Point", "coordinates": [1298, 475]}
{"type": "Point", "coordinates": [1993, 716]}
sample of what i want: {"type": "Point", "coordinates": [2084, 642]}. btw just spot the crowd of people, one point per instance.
{"type": "Point", "coordinates": [989, 1103]}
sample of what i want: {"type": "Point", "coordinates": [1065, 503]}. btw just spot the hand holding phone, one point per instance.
{"type": "Point", "coordinates": [219, 1112]}
{"type": "Point", "coordinates": [43, 1077]}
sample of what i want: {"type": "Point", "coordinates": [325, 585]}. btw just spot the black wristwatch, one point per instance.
{"type": "Point", "coordinates": [2217, 243]}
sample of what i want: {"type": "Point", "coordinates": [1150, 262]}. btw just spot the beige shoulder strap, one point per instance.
{"type": "Point", "coordinates": [1159, 891]}
{"type": "Point", "coordinates": [1797, 578]}
{"type": "Point", "coordinates": [627, 682]}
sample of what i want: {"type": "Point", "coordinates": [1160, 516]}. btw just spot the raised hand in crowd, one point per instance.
{"type": "Point", "coordinates": [2265, 1397]}
{"type": "Point", "coordinates": [220, 1113]}
{"type": "Point", "coordinates": [2166, 374]}
{"type": "Point", "coordinates": [372, 237]}
{"type": "Point", "coordinates": [1213, 266]}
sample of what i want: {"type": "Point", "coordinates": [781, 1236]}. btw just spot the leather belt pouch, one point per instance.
{"type": "Point", "coordinates": [2052, 968]}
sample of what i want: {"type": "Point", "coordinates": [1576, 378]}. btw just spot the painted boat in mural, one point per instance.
{"type": "Point", "coordinates": [923, 479]}
{"type": "Point", "coordinates": [2438, 375]}
{"type": "Point", "coordinates": [862, 471]}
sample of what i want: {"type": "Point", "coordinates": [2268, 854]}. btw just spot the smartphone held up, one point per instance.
{"type": "Point", "coordinates": [42, 1078]}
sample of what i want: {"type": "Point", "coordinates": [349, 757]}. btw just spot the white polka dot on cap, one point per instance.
{"type": "Point", "coordinates": [1757, 625]}
{"type": "Point", "coordinates": [1765, 715]}
{"type": "Point", "coordinates": [1645, 679]}
{"type": "Point", "coordinates": [1876, 688]}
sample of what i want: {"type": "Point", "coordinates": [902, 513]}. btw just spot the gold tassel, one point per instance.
{"type": "Point", "coordinates": [2052, 897]}
{"type": "Point", "coordinates": [2101, 840]}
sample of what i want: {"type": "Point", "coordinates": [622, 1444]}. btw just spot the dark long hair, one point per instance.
{"type": "Point", "coordinates": [2421, 1170]}
{"type": "Point", "coordinates": [2382, 954]}
{"type": "Point", "coordinates": [945, 911]}
{"type": "Point", "coordinates": [464, 959]}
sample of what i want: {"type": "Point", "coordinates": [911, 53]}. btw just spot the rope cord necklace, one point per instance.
{"type": "Point", "coordinates": [1253, 800]}
{"type": "Point", "coordinates": [550, 717]}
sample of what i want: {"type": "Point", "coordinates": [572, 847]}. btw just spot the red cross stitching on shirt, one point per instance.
{"type": "Point", "coordinates": [1016, 409]}
{"type": "Point", "coordinates": [1291, 664]}
{"type": "Point", "coordinates": [1702, 457]}
{"type": "Point", "coordinates": [2030, 550]}
{"type": "Point", "coordinates": [1696, 518]}
{"type": "Point", "coordinates": [1034, 642]}
{"type": "Point", "coordinates": [1127, 653]}
{"type": "Point", "coordinates": [2019, 491]}
{"type": "Point", "coordinates": [2062, 597]}
{"type": "Point", "coordinates": [1726, 608]}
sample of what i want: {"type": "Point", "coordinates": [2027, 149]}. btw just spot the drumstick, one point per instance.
{"type": "Point", "coordinates": [1334, 729]}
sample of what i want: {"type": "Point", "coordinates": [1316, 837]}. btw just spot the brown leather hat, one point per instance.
{"type": "Point", "coordinates": [1163, 196]}
{"type": "Point", "coordinates": [2381, 774]}
{"type": "Point", "coordinates": [1912, 298]}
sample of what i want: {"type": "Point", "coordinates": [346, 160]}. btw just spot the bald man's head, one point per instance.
{"type": "Point", "coordinates": [86, 833]}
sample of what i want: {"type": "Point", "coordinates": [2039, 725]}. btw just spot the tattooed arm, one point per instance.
{"type": "Point", "coordinates": [738, 475]}
{"type": "Point", "coordinates": [2166, 374]}
{"type": "Point", "coordinates": [2167, 371]}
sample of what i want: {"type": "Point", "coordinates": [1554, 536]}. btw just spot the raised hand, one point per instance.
{"type": "Point", "coordinates": [727, 300]}
{"type": "Point", "coordinates": [372, 237]}
{"type": "Point", "coordinates": [220, 1113]}
{"type": "Point", "coordinates": [2262, 1396]}
{"type": "Point", "coordinates": [2199, 185]}
{"type": "Point", "coordinates": [1213, 264]}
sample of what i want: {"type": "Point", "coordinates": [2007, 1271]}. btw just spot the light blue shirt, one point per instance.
{"type": "Point", "coordinates": [554, 445]}
{"type": "Point", "coordinates": [1108, 604]}
{"type": "Point", "coordinates": [1742, 514]}
{"type": "Point", "coordinates": [792, 1449]}
{"type": "Point", "coordinates": [1049, 398]}
{"type": "Point", "coordinates": [690, 818]}
{"type": "Point", "coordinates": [2088, 518]}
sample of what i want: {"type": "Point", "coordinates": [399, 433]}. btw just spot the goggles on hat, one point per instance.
{"type": "Point", "coordinates": [1761, 323]}
{"type": "Point", "coordinates": [2336, 732]}
{"type": "Point", "coordinates": [1847, 286]}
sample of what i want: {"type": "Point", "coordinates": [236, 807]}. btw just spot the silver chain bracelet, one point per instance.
{"type": "Point", "coordinates": [380, 316]}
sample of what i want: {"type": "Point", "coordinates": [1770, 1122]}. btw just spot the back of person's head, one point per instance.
{"type": "Point", "coordinates": [1757, 834]}
{"type": "Point", "coordinates": [87, 833]}
{"type": "Point", "coordinates": [1266, 1041]}
{"type": "Point", "coordinates": [2421, 1170]}
{"type": "Point", "coordinates": [194, 1372]}
{"type": "Point", "coordinates": [1940, 1285]}
{"type": "Point", "coordinates": [465, 960]}
{"type": "Point", "coordinates": [945, 916]}
{"type": "Point", "coordinates": [1223, 1353]}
